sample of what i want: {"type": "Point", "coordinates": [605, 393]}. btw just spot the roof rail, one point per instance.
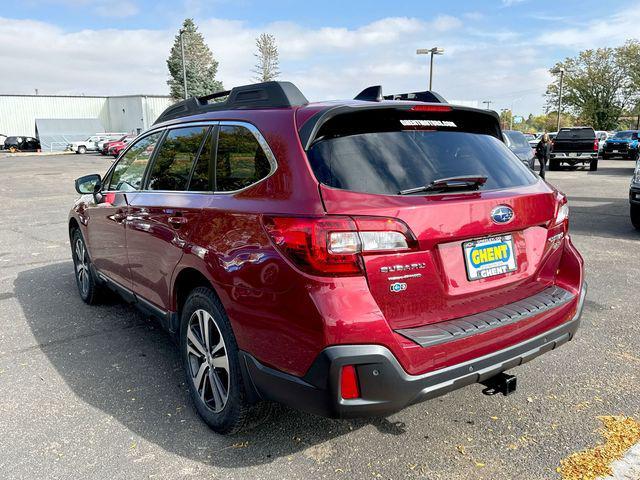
{"type": "Point", "coordinates": [257, 95]}
{"type": "Point", "coordinates": [374, 94]}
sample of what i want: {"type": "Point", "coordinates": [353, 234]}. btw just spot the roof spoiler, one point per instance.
{"type": "Point", "coordinates": [258, 95]}
{"type": "Point", "coordinates": [374, 94]}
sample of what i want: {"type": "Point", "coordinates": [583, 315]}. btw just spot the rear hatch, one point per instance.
{"type": "Point", "coordinates": [575, 140]}
{"type": "Point", "coordinates": [470, 253]}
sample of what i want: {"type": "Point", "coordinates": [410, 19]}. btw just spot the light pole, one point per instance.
{"type": "Point", "coordinates": [561, 72]}
{"type": "Point", "coordinates": [433, 51]}
{"type": "Point", "coordinates": [488, 103]}
{"type": "Point", "coordinates": [184, 67]}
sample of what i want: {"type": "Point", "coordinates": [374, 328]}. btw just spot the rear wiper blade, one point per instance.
{"type": "Point", "coordinates": [464, 182]}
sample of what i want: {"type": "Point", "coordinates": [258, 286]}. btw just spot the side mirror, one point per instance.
{"type": "Point", "coordinates": [89, 184]}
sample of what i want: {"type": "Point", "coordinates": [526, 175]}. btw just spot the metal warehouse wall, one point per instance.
{"type": "Point", "coordinates": [154, 106]}
{"type": "Point", "coordinates": [18, 113]}
{"type": "Point", "coordinates": [133, 113]}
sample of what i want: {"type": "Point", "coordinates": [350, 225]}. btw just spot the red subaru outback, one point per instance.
{"type": "Point", "coordinates": [347, 258]}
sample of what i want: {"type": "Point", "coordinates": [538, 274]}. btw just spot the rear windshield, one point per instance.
{"type": "Point", "coordinates": [626, 135]}
{"type": "Point", "coordinates": [576, 134]}
{"type": "Point", "coordinates": [516, 139]}
{"type": "Point", "coordinates": [386, 162]}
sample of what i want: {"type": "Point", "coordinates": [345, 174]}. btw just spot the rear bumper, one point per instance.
{"type": "Point", "coordinates": [577, 156]}
{"type": "Point", "coordinates": [634, 194]}
{"type": "Point", "coordinates": [384, 385]}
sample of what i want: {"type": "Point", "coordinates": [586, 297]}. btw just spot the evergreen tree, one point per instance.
{"type": "Point", "coordinates": [267, 68]}
{"type": "Point", "coordinates": [200, 65]}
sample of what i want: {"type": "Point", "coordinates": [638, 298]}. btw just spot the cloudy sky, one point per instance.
{"type": "Point", "coordinates": [498, 50]}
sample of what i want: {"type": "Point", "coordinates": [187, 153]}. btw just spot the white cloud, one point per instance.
{"type": "Point", "coordinates": [326, 62]}
{"type": "Point", "coordinates": [608, 31]}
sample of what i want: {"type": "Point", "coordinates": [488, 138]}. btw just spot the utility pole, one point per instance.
{"type": "Point", "coordinates": [561, 72]}
{"type": "Point", "coordinates": [432, 51]}
{"type": "Point", "coordinates": [184, 67]}
{"type": "Point", "coordinates": [488, 103]}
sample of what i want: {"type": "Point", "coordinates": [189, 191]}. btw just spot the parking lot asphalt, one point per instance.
{"type": "Point", "coordinates": [98, 392]}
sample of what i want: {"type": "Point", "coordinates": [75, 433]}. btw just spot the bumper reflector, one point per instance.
{"type": "Point", "coordinates": [349, 383]}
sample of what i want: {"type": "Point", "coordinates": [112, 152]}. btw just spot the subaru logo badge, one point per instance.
{"type": "Point", "coordinates": [502, 214]}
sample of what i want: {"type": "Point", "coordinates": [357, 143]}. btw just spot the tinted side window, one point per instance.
{"type": "Point", "coordinates": [203, 174]}
{"type": "Point", "coordinates": [127, 174]}
{"type": "Point", "coordinates": [240, 160]}
{"type": "Point", "coordinates": [175, 157]}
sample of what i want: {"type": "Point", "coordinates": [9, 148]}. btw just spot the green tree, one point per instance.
{"type": "Point", "coordinates": [267, 66]}
{"type": "Point", "coordinates": [200, 65]}
{"type": "Point", "coordinates": [598, 86]}
{"type": "Point", "coordinates": [505, 119]}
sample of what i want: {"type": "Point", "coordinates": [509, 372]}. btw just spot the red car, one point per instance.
{"type": "Point", "coordinates": [346, 258]}
{"type": "Point", "coordinates": [108, 148]}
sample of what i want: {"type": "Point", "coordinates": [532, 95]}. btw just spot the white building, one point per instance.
{"type": "Point", "coordinates": [127, 113]}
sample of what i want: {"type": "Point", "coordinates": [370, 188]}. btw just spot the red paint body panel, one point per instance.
{"type": "Point", "coordinates": [284, 317]}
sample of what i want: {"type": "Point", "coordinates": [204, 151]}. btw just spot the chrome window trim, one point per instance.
{"type": "Point", "coordinates": [220, 123]}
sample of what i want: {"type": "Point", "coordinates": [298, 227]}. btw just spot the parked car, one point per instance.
{"type": "Point", "coordinates": [91, 144]}
{"type": "Point", "coordinates": [115, 148]}
{"type": "Point", "coordinates": [290, 246]}
{"type": "Point", "coordinates": [622, 144]}
{"type": "Point", "coordinates": [2, 139]}
{"type": "Point", "coordinates": [111, 137]}
{"type": "Point", "coordinates": [21, 144]}
{"type": "Point", "coordinates": [518, 144]}
{"type": "Point", "coordinates": [534, 143]}
{"type": "Point", "coordinates": [573, 146]}
{"type": "Point", "coordinates": [120, 141]}
{"type": "Point", "coordinates": [634, 197]}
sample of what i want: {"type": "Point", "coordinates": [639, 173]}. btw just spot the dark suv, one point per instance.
{"type": "Point", "coordinates": [21, 144]}
{"type": "Point", "coordinates": [347, 258]}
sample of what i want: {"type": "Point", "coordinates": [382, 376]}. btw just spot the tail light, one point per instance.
{"type": "Point", "coordinates": [349, 383]}
{"type": "Point", "coordinates": [562, 214]}
{"type": "Point", "coordinates": [334, 245]}
{"type": "Point", "coordinates": [560, 225]}
{"type": "Point", "coordinates": [595, 145]}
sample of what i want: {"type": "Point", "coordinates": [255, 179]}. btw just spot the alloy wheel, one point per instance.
{"type": "Point", "coordinates": [82, 267]}
{"type": "Point", "coordinates": [208, 361]}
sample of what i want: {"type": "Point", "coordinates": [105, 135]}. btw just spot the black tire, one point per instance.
{"type": "Point", "coordinates": [554, 164]}
{"type": "Point", "coordinates": [635, 216]}
{"type": "Point", "coordinates": [82, 149]}
{"type": "Point", "coordinates": [91, 291]}
{"type": "Point", "coordinates": [593, 165]}
{"type": "Point", "coordinates": [225, 410]}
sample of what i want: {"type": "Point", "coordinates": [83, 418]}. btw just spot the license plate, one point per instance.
{"type": "Point", "coordinates": [489, 257]}
{"type": "Point", "coordinates": [615, 151]}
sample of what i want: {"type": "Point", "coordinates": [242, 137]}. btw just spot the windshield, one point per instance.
{"type": "Point", "coordinates": [517, 139]}
{"type": "Point", "coordinates": [625, 135]}
{"type": "Point", "coordinates": [391, 161]}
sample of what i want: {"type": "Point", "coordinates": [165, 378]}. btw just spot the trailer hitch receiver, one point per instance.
{"type": "Point", "coordinates": [501, 383]}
